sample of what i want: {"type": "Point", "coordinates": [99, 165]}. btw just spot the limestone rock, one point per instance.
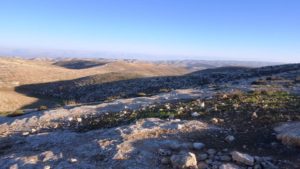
{"type": "Point", "coordinates": [229, 166]}
{"type": "Point", "coordinates": [229, 139]}
{"type": "Point", "coordinates": [214, 120]}
{"type": "Point", "coordinates": [184, 160]}
{"type": "Point", "coordinates": [254, 115]}
{"type": "Point", "coordinates": [195, 114]}
{"type": "Point", "coordinates": [242, 158]}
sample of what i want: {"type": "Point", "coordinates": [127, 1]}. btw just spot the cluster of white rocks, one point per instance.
{"type": "Point", "coordinates": [197, 158]}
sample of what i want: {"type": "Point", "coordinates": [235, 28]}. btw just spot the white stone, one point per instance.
{"type": "Point", "coordinates": [202, 105]}
{"type": "Point", "coordinates": [229, 166]}
{"type": "Point", "coordinates": [179, 126]}
{"type": "Point", "coordinates": [214, 120]}
{"type": "Point", "coordinates": [47, 167]}
{"type": "Point", "coordinates": [184, 160]}
{"type": "Point", "coordinates": [229, 138]}
{"type": "Point", "coordinates": [195, 114]}
{"type": "Point", "coordinates": [242, 158]}
{"type": "Point", "coordinates": [254, 115]}
{"type": "Point", "coordinates": [25, 133]}
{"type": "Point", "coordinates": [73, 160]}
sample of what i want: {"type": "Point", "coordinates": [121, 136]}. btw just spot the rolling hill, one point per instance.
{"type": "Point", "coordinates": [16, 72]}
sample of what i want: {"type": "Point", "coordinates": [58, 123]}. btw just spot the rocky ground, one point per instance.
{"type": "Point", "coordinates": [251, 123]}
{"type": "Point", "coordinates": [103, 88]}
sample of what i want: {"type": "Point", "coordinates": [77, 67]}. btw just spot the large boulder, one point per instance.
{"type": "Point", "coordinates": [184, 160]}
{"type": "Point", "coordinates": [289, 133]}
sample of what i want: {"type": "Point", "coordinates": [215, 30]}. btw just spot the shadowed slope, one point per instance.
{"type": "Point", "coordinates": [16, 72]}
{"type": "Point", "coordinates": [122, 85]}
{"type": "Point", "coordinates": [80, 64]}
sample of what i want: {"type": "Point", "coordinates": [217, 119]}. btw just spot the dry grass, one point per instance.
{"type": "Point", "coordinates": [11, 100]}
{"type": "Point", "coordinates": [15, 72]}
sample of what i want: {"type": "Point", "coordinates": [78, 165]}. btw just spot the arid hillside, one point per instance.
{"type": "Point", "coordinates": [110, 86]}
{"type": "Point", "coordinates": [15, 72]}
{"type": "Point", "coordinates": [220, 118]}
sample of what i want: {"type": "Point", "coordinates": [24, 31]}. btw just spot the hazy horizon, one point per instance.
{"type": "Point", "coordinates": [255, 30]}
{"type": "Point", "coordinates": [56, 53]}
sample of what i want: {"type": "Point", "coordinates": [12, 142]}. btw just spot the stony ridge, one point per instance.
{"type": "Point", "coordinates": [68, 116]}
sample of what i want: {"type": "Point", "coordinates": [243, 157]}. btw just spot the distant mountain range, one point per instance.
{"type": "Point", "coordinates": [194, 65]}
{"type": "Point", "coordinates": [190, 64]}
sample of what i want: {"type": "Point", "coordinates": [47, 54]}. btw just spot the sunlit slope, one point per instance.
{"type": "Point", "coordinates": [14, 72]}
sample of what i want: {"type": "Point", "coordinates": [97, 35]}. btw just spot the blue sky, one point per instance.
{"type": "Point", "coordinates": [259, 30]}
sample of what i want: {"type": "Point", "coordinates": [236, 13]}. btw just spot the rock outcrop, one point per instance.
{"type": "Point", "coordinates": [289, 133]}
{"type": "Point", "coordinates": [130, 146]}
